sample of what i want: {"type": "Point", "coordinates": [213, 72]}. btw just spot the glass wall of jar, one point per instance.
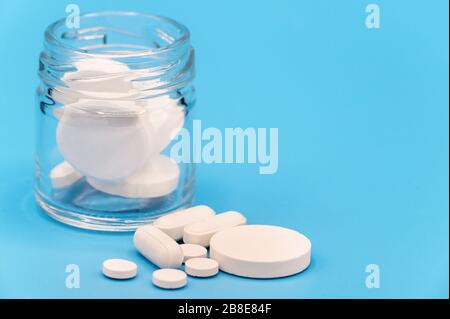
{"type": "Point", "coordinates": [113, 95]}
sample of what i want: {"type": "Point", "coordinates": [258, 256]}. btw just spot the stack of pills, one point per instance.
{"type": "Point", "coordinates": [112, 137]}
{"type": "Point", "coordinates": [254, 251]}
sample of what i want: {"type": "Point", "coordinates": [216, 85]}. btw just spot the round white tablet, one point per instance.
{"type": "Point", "coordinates": [99, 78]}
{"type": "Point", "coordinates": [193, 251]}
{"type": "Point", "coordinates": [105, 140]}
{"type": "Point", "coordinates": [201, 267]}
{"type": "Point", "coordinates": [63, 175]}
{"type": "Point", "coordinates": [98, 65]}
{"type": "Point", "coordinates": [166, 121]}
{"type": "Point", "coordinates": [119, 268]}
{"type": "Point", "coordinates": [261, 251]}
{"type": "Point", "coordinates": [169, 278]}
{"type": "Point", "coordinates": [158, 178]}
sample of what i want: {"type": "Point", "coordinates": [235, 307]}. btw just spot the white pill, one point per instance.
{"type": "Point", "coordinates": [158, 247]}
{"type": "Point", "coordinates": [201, 232]}
{"type": "Point", "coordinates": [169, 278]}
{"type": "Point", "coordinates": [261, 251]}
{"type": "Point", "coordinates": [173, 224]}
{"type": "Point", "coordinates": [119, 268]}
{"type": "Point", "coordinates": [158, 178]}
{"type": "Point", "coordinates": [165, 116]}
{"type": "Point", "coordinates": [107, 87]}
{"type": "Point", "coordinates": [65, 96]}
{"type": "Point", "coordinates": [193, 251]}
{"type": "Point", "coordinates": [63, 175]}
{"type": "Point", "coordinates": [102, 65]}
{"type": "Point", "coordinates": [100, 78]}
{"type": "Point", "coordinates": [104, 140]}
{"type": "Point", "coordinates": [166, 122]}
{"type": "Point", "coordinates": [58, 112]}
{"type": "Point", "coordinates": [201, 267]}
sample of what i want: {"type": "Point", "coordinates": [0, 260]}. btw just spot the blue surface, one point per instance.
{"type": "Point", "coordinates": [363, 146]}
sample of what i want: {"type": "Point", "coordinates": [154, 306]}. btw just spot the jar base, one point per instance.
{"type": "Point", "coordinates": [102, 221]}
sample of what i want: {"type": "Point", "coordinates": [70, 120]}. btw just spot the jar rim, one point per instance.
{"type": "Point", "coordinates": [179, 41]}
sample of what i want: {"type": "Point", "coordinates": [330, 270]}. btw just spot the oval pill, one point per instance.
{"type": "Point", "coordinates": [169, 278]}
{"type": "Point", "coordinates": [201, 232]}
{"type": "Point", "coordinates": [193, 251]}
{"type": "Point", "coordinates": [158, 247]}
{"type": "Point", "coordinates": [201, 267]}
{"type": "Point", "coordinates": [119, 268]}
{"type": "Point", "coordinates": [173, 224]}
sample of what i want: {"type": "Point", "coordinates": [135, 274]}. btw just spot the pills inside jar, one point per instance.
{"type": "Point", "coordinates": [113, 96]}
{"type": "Point", "coordinates": [105, 140]}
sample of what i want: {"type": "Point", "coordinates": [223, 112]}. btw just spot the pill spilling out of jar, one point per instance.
{"type": "Point", "coordinates": [253, 251]}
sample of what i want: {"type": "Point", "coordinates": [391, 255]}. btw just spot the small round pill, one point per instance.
{"type": "Point", "coordinates": [201, 267]}
{"type": "Point", "coordinates": [168, 278]}
{"type": "Point", "coordinates": [119, 268]}
{"type": "Point", "coordinates": [63, 175]}
{"type": "Point", "coordinates": [193, 251]}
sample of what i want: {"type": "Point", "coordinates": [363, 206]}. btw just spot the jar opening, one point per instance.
{"type": "Point", "coordinates": [118, 35]}
{"type": "Point", "coordinates": [117, 55]}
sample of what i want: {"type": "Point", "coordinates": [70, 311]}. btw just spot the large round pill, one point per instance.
{"type": "Point", "coordinates": [159, 177]}
{"type": "Point", "coordinates": [119, 268]}
{"type": "Point", "coordinates": [260, 251]}
{"type": "Point", "coordinates": [169, 278]}
{"type": "Point", "coordinates": [105, 140]}
{"type": "Point", "coordinates": [166, 121]}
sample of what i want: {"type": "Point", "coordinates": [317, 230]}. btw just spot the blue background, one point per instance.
{"type": "Point", "coordinates": [363, 146]}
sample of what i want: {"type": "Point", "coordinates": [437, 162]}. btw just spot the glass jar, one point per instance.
{"type": "Point", "coordinates": [113, 95]}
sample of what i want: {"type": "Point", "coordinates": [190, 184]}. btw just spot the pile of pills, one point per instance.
{"type": "Point", "coordinates": [110, 135]}
{"type": "Point", "coordinates": [254, 251]}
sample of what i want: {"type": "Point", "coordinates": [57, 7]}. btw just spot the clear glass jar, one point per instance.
{"type": "Point", "coordinates": [113, 94]}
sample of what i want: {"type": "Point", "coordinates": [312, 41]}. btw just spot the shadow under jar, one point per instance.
{"type": "Point", "coordinates": [113, 95]}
